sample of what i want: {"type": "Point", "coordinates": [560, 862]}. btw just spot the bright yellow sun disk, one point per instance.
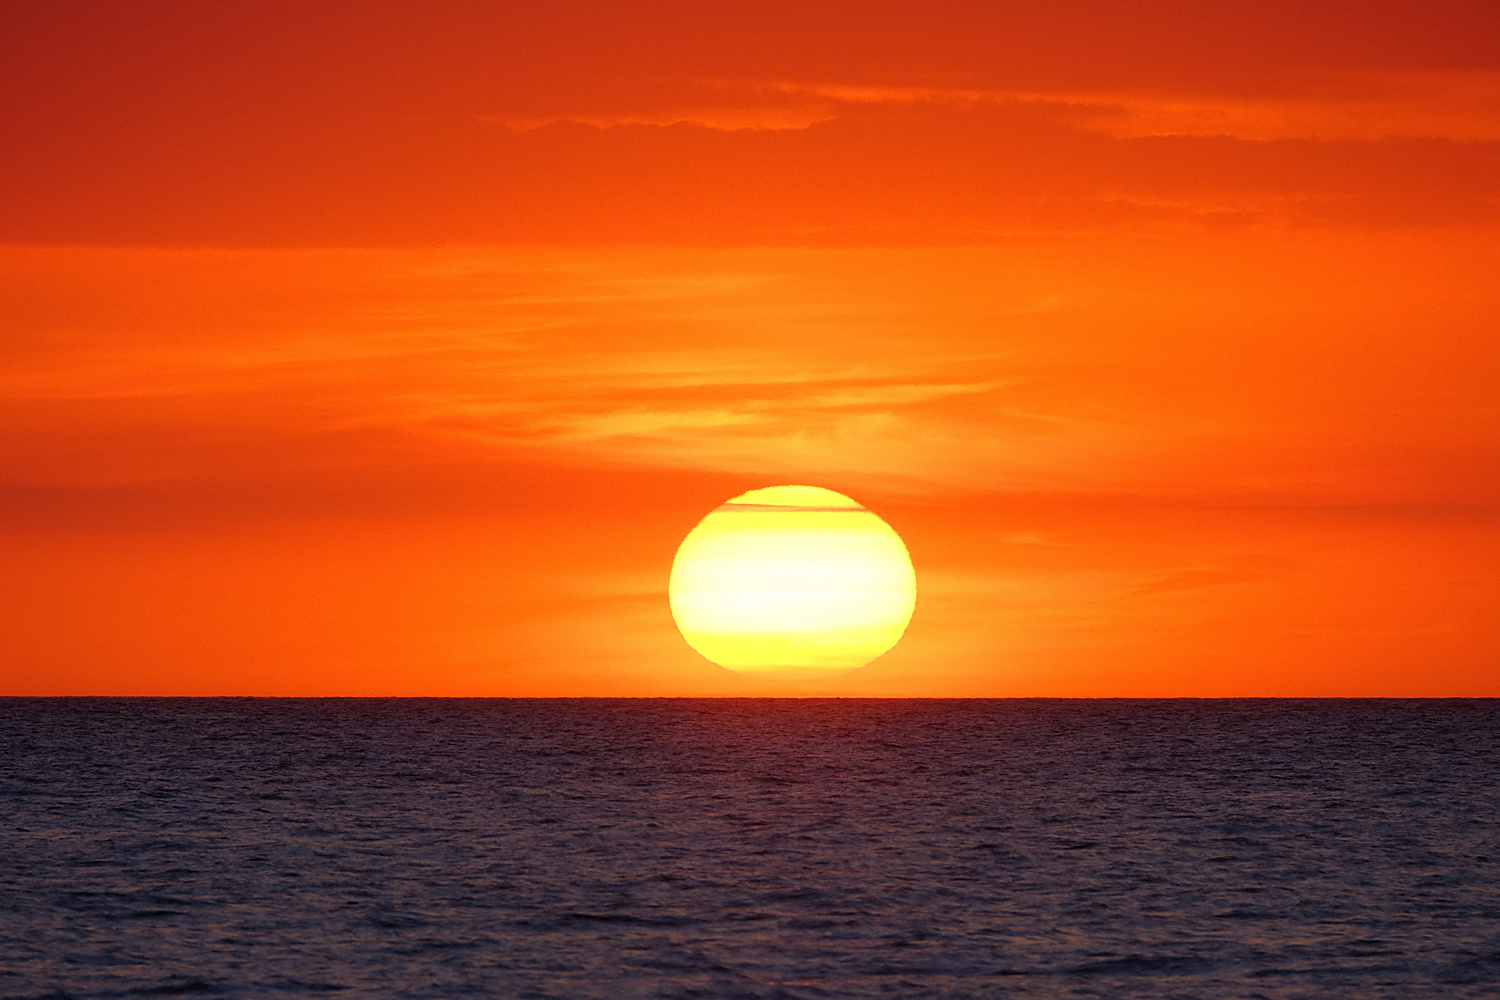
{"type": "Point", "coordinates": [792, 578]}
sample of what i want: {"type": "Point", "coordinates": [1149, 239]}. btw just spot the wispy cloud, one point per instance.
{"type": "Point", "coordinates": [1324, 105]}
{"type": "Point", "coordinates": [724, 119]}
{"type": "Point", "coordinates": [1039, 367]}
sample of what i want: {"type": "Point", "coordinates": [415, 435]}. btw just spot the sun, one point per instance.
{"type": "Point", "coordinates": [792, 578]}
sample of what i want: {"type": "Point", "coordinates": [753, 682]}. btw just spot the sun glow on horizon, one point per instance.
{"type": "Point", "coordinates": [792, 578]}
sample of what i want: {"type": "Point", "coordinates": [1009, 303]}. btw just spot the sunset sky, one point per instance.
{"type": "Point", "coordinates": [378, 348]}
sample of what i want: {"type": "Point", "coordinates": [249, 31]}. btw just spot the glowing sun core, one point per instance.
{"type": "Point", "coordinates": [792, 578]}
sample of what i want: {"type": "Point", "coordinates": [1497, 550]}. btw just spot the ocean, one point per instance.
{"type": "Point", "coordinates": [749, 848]}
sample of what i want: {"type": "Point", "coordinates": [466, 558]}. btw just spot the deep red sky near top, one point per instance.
{"type": "Point", "coordinates": [376, 348]}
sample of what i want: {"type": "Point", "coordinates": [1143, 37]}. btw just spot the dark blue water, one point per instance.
{"type": "Point", "coordinates": [749, 849]}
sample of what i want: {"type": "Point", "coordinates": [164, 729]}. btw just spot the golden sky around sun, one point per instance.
{"type": "Point", "coordinates": [413, 348]}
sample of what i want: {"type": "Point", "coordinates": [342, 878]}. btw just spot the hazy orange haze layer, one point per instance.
{"type": "Point", "coordinates": [392, 349]}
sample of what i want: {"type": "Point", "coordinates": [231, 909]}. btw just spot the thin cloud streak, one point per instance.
{"type": "Point", "coordinates": [1326, 105]}
{"type": "Point", "coordinates": [1082, 367]}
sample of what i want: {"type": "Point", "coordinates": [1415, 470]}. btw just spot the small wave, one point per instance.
{"type": "Point", "coordinates": [1142, 965]}
{"type": "Point", "coordinates": [174, 989]}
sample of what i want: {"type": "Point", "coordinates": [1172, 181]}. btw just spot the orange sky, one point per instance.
{"type": "Point", "coordinates": [379, 348]}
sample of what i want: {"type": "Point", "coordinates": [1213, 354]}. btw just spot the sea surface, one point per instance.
{"type": "Point", "coordinates": [749, 849]}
